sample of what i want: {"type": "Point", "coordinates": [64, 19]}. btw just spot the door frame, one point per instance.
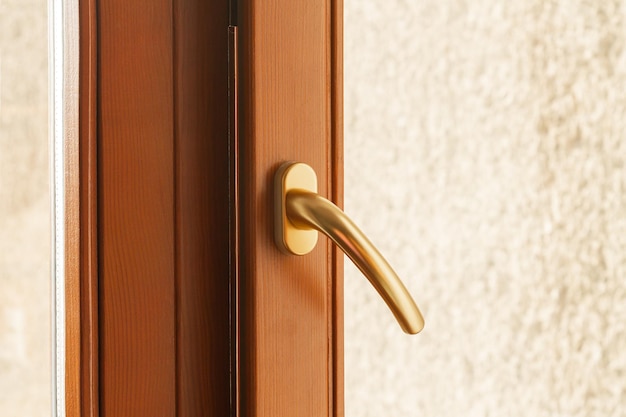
{"type": "Point", "coordinates": [77, 199]}
{"type": "Point", "coordinates": [64, 69]}
{"type": "Point", "coordinates": [291, 110]}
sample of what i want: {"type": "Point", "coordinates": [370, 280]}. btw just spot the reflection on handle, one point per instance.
{"type": "Point", "coordinates": [304, 210]}
{"type": "Point", "coordinates": [310, 210]}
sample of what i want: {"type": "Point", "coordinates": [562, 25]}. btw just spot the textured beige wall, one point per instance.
{"type": "Point", "coordinates": [486, 154]}
{"type": "Point", "coordinates": [24, 211]}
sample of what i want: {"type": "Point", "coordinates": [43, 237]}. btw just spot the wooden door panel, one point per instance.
{"type": "Point", "coordinates": [202, 207]}
{"type": "Point", "coordinates": [290, 349]}
{"type": "Point", "coordinates": [137, 211]}
{"type": "Point", "coordinates": [164, 193]}
{"type": "Point", "coordinates": [182, 325]}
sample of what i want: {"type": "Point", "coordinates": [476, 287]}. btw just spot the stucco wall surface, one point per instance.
{"type": "Point", "coordinates": [486, 156]}
{"type": "Point", "coordinates": [24, 211]}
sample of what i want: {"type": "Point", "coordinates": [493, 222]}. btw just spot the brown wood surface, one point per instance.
{"type": "Point", "coordinates": [164, 208]}
{"type": "Point", "coordinates": [202, 207]}
{"type": "Point", "coordinates": [155, 247]}
{"type": "Point", "coordinates": [81, 309]}
{"type": "Point", "coordinates": [137, 210]}
{"type": "Point", "coordinates": [235, 220]}
{"type": "Point", "coordinates": [290, 111]}
{"type": "Point", "coordinates": [72, 203]}
{"type": "Point", "coordinates": [88, 210]}
{"type": "Point", "coordinates": [336, 91]}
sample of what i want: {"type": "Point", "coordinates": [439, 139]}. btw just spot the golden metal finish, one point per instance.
{"type": "Point", "coordinates": [289, 238]}
{"type": "Point", "coordinates": [301, 210]}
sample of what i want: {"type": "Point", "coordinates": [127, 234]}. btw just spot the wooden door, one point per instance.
{"type": "Point", "coordinates": [178, 301]}
{"type": "Point", "coordinates": [290, 111]}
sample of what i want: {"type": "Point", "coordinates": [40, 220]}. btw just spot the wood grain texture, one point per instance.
{"type": "Point", "coordinates": [337, 198]}
{"type": "Point", "coordinates": [235, 220]}
{"type": "Point", "coordinates": [88, 101]}
{"type": "Point", "coordinates": [163, 211]}
{"type": "Point", "coordinates": [290, 304]}
{"type": "Point", "coordinates": [202, 207]}
{"type": "Point", "coordinates": [81, 310]}
{"type": "Point", "coordinates": [137, 209]}
{"type": "Point", "coordinates": [164, 208]}
{"type": "Point", "coordinates": [72, 249]}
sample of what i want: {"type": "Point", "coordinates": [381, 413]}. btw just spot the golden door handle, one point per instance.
{"type": "Point", "coordinates": [301, 212]}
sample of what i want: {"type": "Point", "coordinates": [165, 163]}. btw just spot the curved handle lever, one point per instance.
{"type": "Point", "coordinates": [301, 212]}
